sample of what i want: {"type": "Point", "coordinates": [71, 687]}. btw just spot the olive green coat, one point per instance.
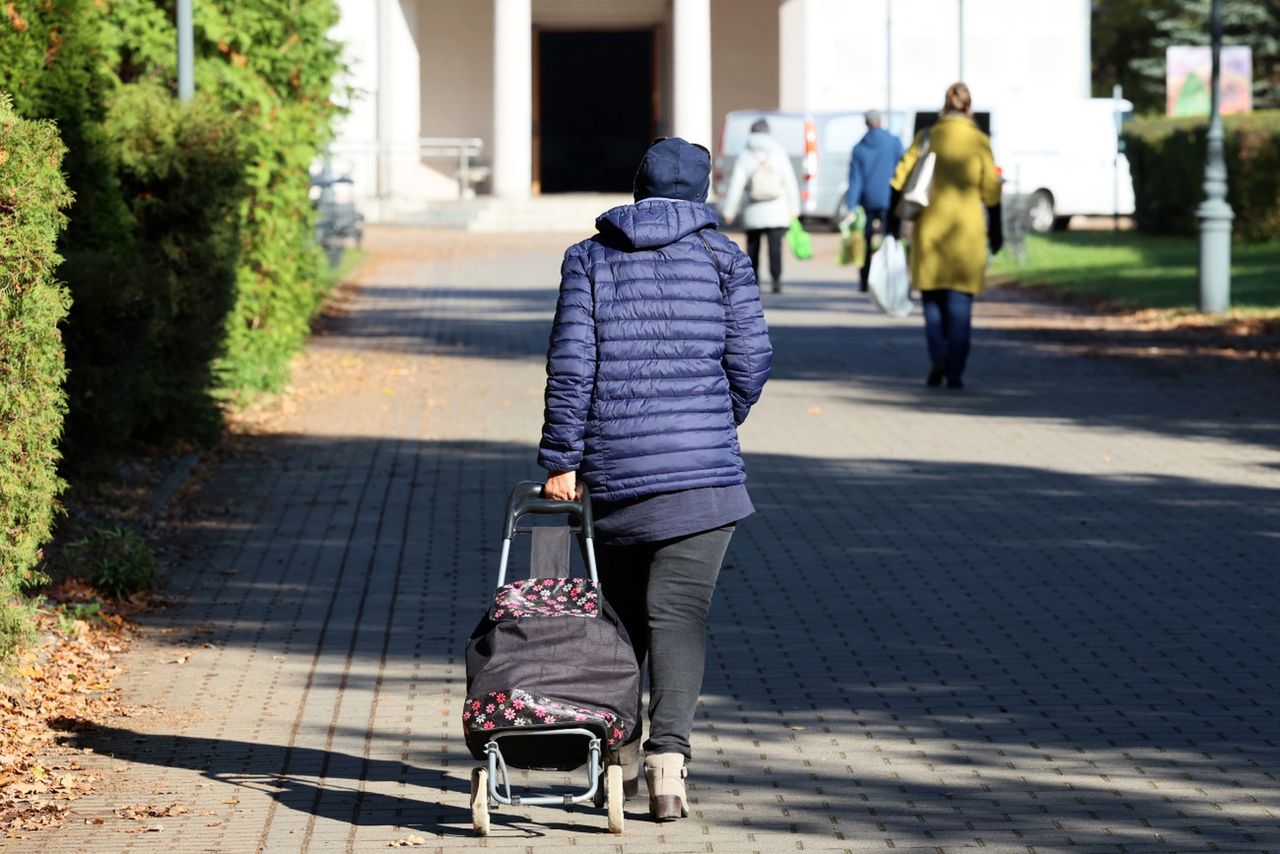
{"type": "Point", "coordinates": [949, 242]}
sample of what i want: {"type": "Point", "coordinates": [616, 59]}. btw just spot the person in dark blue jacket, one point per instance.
{"type": "Point", "coordinates": [658, 352]}
{"type": "Point", "coordinates": [870, 169]}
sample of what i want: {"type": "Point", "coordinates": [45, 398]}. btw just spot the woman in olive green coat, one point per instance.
{"type": "Point", "coordinates": [950, 241]}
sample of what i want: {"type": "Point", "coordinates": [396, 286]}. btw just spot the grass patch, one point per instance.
{"type": "Point", "coordinates": [116, 561]}
{"type": "Point", "coordinates": [1141, 270]}
{"type": "Point", "coordinates": [71, 615]}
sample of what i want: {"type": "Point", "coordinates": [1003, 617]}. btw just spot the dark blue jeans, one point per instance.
{"type": "Point", "coordinates": [947, 318]}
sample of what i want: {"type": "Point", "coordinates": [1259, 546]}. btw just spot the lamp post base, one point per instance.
{"type": "Point", "coordinates": [1214, 272]}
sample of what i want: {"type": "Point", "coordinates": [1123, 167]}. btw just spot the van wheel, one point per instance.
{"type": "Point", "coordinates": [1040, 214]}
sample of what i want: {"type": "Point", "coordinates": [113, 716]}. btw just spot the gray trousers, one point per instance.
{"type": "Point", "coordinates": [662, 592]}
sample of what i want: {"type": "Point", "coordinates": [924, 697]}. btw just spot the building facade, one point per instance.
{"type": "Point", "coordinates": [553, 96]}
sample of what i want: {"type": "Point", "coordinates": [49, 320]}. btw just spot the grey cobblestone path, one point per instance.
{"type": "Point", "coordinates": [1041, 614]}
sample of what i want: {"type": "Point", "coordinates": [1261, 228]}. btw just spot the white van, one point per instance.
{"type": "Point", "coordinates": [1056, 163]}
{"type": "Point", "coordinates": [1065, 161]}
{"type": "Point", "coordinates": [819, 145]}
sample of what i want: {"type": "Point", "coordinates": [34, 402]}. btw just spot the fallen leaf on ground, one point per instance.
{"type": "Point", "coordinates": [61, 687]}
{"type": "Point", "coordinates": [155, 828]}
{"type": "Point", "coordinates": [139, 812]}
{"type": "Point", "coordinates": [408, 842]}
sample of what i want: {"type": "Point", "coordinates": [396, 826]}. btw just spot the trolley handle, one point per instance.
{"type": "Point", "coordinates": [526, 500]}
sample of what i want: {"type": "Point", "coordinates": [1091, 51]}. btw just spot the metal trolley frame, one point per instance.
{"type": "Point", "coordinates": [491, 783]}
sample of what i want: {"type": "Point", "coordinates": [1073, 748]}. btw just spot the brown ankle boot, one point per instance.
{"type": "Point", "coordinates": [664, 773]}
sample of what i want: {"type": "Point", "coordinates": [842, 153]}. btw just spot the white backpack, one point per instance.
{"type": "Point", "coordinates": [765, 183]}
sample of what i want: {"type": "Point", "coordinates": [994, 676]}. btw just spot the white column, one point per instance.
{"type": "Point", "coordinates": [357, 129]}
{"type": "Point", "coordinates": [793, 55]}
{"type": "Point", "coordinates": [386, 94]}
{"type": "Point", "coordinates": [691, 35]}
{"type": "Point", "coordinates": [399, 109]}
{"type": "Point", "coordinates": [512, 98]}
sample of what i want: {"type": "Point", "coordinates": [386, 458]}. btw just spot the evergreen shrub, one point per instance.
{"type": "Point", "coordinates": [1166, 158]}
{"type": "Point", "coordinates": [190, 253]}
{"type": "Point", "coordinates": [274, 65]}
{"type": "Point", "coordinates": [150, 305]}
{"type": "Point", "coordinates": [33, 195]}
{"type": "Point", "coordinates": [269, 66]}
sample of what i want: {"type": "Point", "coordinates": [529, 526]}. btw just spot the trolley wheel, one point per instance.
{"type": "Point", "coordinates": [614, 797]}
{"type": "Point", "coordinates": [480, 801]}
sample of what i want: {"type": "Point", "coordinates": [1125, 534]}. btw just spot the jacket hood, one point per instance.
{"type": "Point", "coordinates": [674, 169]}
{"type": "Point", "coordinates": [652, 223]}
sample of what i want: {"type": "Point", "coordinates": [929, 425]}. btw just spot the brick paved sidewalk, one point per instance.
{"type": "Point", "coordinates": [1038, 614]}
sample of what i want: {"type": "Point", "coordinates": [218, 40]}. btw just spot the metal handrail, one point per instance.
{"type": "Point", "coordinates": [464, 148]}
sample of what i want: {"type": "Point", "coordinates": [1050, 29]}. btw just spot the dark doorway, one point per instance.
{"type": "Point", "coordinates": [595, 109]}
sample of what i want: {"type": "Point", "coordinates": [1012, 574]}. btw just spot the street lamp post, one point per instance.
{"type": "Point", "coordinates": [1214, 213]}
{"type": "Point", "coordinates": [186, 52]}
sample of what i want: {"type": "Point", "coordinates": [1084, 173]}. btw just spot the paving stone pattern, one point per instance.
{"type": "Point", "coordinates": [1040, 614]}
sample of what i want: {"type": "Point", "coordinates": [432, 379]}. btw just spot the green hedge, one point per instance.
{"type": "Point", "coordinates": [1166, 157]}
{"type": "Point", "coordinates": [190, 253]}
{"type": "Point", "coordinates": [270, 65]}
{"type": "Point", "coordinates": [151, 294]}
{"type": "Point", "coordinates": [32, 304]}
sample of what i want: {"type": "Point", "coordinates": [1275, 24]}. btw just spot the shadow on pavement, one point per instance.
{"type": "Point", "coordinates": [1014, 372]}
{"type": "Point", "coordinates": [289, 774]}
{"type": "Point", "coordinates": [1023, 372]}
{"type": "Point", "coordinates": [893, 642]}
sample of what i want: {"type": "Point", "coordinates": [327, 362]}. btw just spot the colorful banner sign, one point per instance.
{"type": "Point", "coordinates": [1190, 72]}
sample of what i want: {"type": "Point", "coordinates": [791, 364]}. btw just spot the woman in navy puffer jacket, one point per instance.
{"type": "Point", "coordinates": [658, 352]}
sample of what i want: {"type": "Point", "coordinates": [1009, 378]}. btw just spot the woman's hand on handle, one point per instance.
{"type": "Point", "coordinates": [562, 486]}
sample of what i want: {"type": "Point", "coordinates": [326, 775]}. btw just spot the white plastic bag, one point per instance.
{"type": "Point", "coordinates": [915, 195]}
{"type": "Point", "coordinates": [888, 281]}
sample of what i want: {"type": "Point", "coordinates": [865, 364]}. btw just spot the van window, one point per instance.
{"type": "Point", "coordinates": [789, 130]}
{"type": "Point", "coordinates": [842, 133]}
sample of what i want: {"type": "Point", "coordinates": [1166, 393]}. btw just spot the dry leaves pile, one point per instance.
{"type": "Point", "coordinates": [1100, 328]}
{"type": "Point", "coordinates": [56, 686]}
{"type": "Point", "coordinates": [142, 813]}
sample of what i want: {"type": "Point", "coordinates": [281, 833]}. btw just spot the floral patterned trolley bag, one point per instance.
{"type": "Point", "coordinates": [552, 681]}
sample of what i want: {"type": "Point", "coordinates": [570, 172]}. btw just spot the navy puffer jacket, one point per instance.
{"type": "Point", "coordinates": [657, 354]}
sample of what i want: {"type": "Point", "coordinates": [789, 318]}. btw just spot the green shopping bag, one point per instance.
{"type": "Point", "coordinates": [799, 240]}
{"type": "Point", "coordinates": [853, 240]}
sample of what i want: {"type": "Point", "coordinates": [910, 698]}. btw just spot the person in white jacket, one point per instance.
{"type": "Point", "coordinates": [763, 189]}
